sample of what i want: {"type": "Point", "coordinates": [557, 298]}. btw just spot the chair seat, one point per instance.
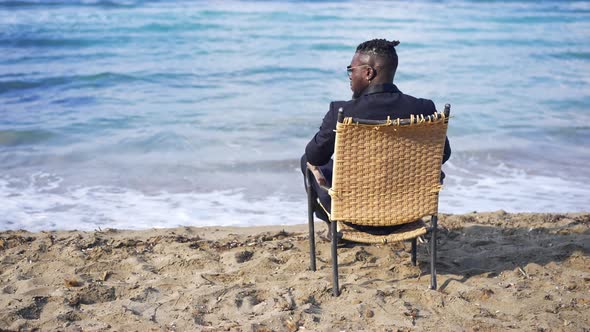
{"type": "Point", "coordinates": [377, 234]}
{"type": "Point", "coordinates": [381, 234]}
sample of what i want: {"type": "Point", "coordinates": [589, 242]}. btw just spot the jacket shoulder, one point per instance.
{"type": "Point", "coordinates": [423, 105]}
{"type": "Point", "coordinates": [335, 105]}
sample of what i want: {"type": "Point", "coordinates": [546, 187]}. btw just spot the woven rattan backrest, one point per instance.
{"type": "Point", "coordinates": [387, 174]}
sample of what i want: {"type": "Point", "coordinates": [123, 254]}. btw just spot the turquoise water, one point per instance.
{"type": "Point", "coordinates": [137, 114]}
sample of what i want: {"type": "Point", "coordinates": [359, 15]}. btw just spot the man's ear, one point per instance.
{"type": "Point", "coordinates": [372, 73]}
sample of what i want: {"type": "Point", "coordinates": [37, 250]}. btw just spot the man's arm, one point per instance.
{"type": "Point", "coordinates": [321, 147]}
{"type": "Point", "coordinates": [447, 151]}
{"type": "Point", "coordinates": [431, 110]}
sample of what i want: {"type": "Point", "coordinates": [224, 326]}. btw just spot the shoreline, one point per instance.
{"type": "Point", "coordinates": [495, 271]}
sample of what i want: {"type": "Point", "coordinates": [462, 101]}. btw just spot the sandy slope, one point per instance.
{"type": "Point", "coordinates": [497, 271]}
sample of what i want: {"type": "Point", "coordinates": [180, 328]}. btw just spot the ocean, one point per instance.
{"type": "Point", "coordinates": [139, 114]}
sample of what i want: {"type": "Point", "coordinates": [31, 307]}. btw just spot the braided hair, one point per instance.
{"type": "Point", "coordinates": [381, 48]}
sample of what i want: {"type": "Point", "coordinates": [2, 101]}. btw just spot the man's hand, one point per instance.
{"type": "Point", "coordinates": [317, 174]}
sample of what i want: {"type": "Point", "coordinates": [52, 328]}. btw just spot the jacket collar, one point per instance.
{"type": "Point", "coordinates": [380, 88]}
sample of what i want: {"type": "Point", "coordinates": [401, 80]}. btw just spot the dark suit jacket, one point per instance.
{"type": "Point", "coordinates": [375, 103]}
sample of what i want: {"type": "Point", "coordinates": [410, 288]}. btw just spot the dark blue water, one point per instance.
{"type": "Point", "coordinates": [137, 114]}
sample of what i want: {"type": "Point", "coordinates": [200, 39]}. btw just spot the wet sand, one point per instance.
{"type": "Point", "coordinates": [496, 271]}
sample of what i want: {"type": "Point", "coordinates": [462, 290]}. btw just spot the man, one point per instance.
{"type": "Point", "coordinates": [371, 73]}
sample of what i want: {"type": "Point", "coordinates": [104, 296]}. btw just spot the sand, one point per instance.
{"type": "Point", "coordinates": [496, 271]}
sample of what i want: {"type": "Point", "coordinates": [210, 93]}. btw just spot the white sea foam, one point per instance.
{"type": "Point", "coordinates": [505, 188]}
{"type": "Point", "coordinates": [38, 206]}
{"type": "Point", "coordinates": [42, 203]}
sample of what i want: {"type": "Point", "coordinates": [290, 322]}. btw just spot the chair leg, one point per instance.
{"type": "Point", "coordinates": [334, 258]}
{"type": "Point", "coordinates": [433, 253]}
{"type": "Point", "coordinates": [311, 196]}
{"type": "Point", "coordinates": [414, 251]}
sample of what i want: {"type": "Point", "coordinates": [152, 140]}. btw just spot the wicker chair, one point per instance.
{"type": "Point", "coordinates": [386, 174]}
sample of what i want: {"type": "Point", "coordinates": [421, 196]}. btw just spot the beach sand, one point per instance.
{"type": "Point", "coordinates": [496, 271]}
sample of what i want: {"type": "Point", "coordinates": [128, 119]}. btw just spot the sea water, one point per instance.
{"type": "Point", "coordinates": [139, 114]}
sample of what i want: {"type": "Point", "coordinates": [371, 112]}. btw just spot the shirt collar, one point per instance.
{"type": "Point", "coordinates": [380, 88]}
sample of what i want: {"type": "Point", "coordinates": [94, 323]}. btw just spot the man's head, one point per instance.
{"type": "Point", "coordinates": [374, 62]}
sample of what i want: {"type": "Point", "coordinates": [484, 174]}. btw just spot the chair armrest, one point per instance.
{"type": "Point", "coordinates": [310, 175]}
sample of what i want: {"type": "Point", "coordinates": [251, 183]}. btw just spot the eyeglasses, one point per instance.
{"type": "Point", "coordinates": [349, 69]}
